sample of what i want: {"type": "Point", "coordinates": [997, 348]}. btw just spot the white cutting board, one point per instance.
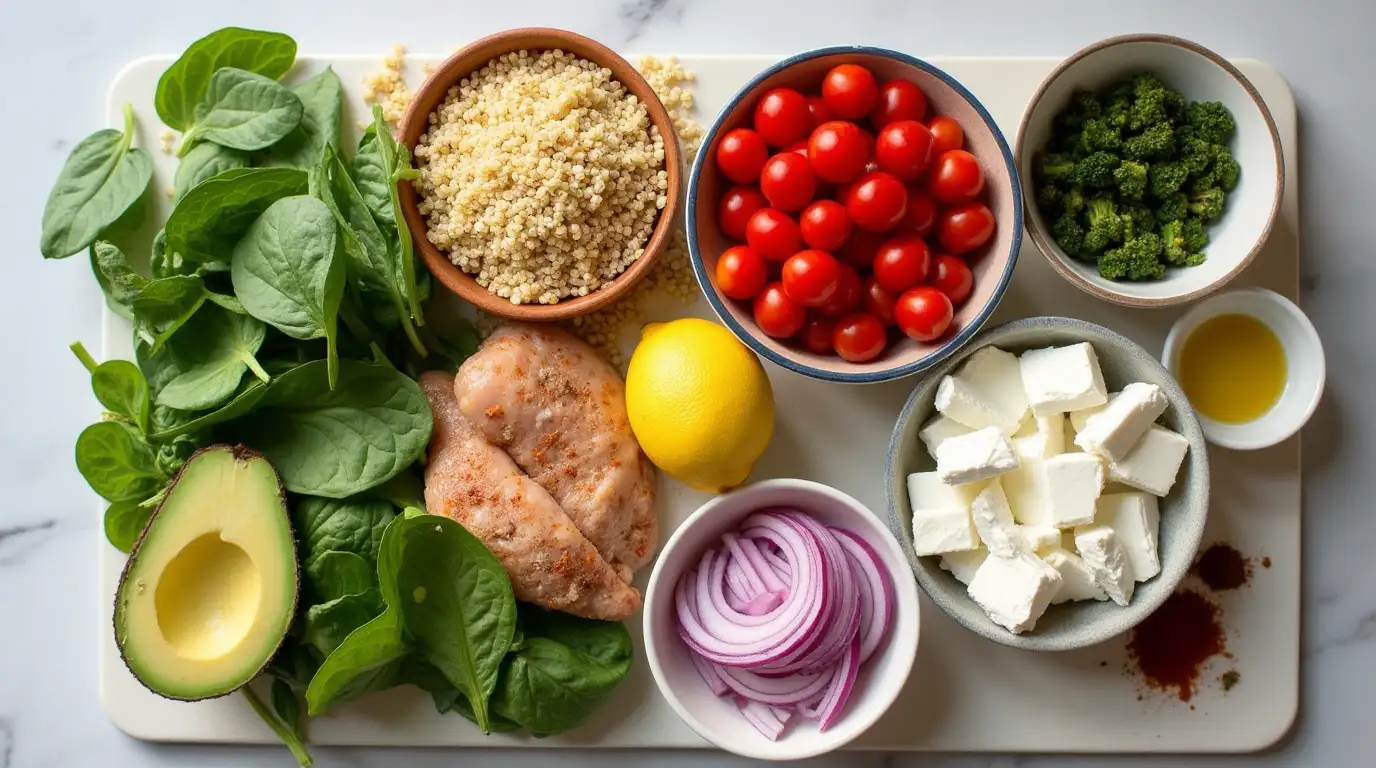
{"type": "Point", "coordinates": [965, 693]}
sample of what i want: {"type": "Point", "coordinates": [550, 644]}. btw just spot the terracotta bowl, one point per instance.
{"type": "Point", "coordinates": [471, 59]}
{"type": "Point", "coordinates": [992, 265]}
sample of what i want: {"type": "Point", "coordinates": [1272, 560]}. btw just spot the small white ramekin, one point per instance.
{"type": "Point", "coordinates": [1304, 365]}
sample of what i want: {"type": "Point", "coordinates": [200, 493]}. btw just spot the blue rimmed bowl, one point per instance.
{"type": "Point", "coordinates": [992, 265]}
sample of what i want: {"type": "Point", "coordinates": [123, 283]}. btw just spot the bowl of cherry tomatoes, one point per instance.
{"type": "Point", "coordinates": [854, 214]}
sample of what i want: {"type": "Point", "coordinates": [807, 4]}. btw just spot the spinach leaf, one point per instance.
{"type": "Point", "coordinates": [243, 110]}
{"type": "Point", "coordinates": [380, 164]}
{"type": "Point", "coordinates": [566, 667]}
{"type": "Point", "coordinates": [111, 303]}
{"type": "Point", "coordinates": [352, 526]}
{"type": "Point", "coordinates": [171, 425]}
{"type": "Point", "coordinates": [407, 489]}
{"type": "Point", "coordinates": [446, 697]}
{"type": "Point", "coordinates": [329, 624]}
{"type": "Point", "coordinates": [372, 177]}
{"type": "Point", "coordinates": [205, 161]}
{"type": "Point", "coordinates": [295, 664]}
{"type": "Point", "coordinates": [336, 443]}
{"type": "Point", "coordinates": [290, 734]}
{"type": "Point", "coordinates": [226, 301]}
{"type": "Point", "coordinates": [175, 452]}
{"type": "Point", "coordinates": [285, 272]}
{"type": "Point", "coordinates": [333, 574]}
{"type": "Point", "coordinates": [321, 97]}
{"type": "Point", "coordinates": [120, 387]}
{"type": "Point", "coordinates": [286, 706]}
{"type": "Point", "coordinates": [117, 463]}
{"type": "Point", "coordinates": [124, 523]}
{"type": "Point", "coordinates": [213, 215]}
{"type": "Point", "coordinates": [184, 84]}
{"type": "Point", "coordinates": [102, 178]}
{"type": "Point", "coordinates": [368, 660]}
{"type": "Point", "coordinates": [213, 351]}
{"type": "Point", "coordinates": [164, 305]}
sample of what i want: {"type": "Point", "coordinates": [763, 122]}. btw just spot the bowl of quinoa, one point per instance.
{"type": "Point", "coordinates": [548, 174]}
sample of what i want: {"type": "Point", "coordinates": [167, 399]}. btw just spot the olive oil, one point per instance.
{"type": "Point", "coordinates": [1232, 368]}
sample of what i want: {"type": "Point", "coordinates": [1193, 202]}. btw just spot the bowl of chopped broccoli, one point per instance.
{"type": "Point", "coordinates": [1153, 170]}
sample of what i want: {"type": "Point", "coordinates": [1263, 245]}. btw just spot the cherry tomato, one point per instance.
{"type": "Point", "coordinates": [902, 263]}
{"type": "Point", "coordinates": [952, 277]}
{"type": "Point", "coordinates": [877, 301]}
{"type": "Point", "coordinates": [899, 100]}
{"type": "Point", "coordinates": [847, 296]}
{"type": "Point", "coordinates": [741, 155]}
{"type": "Point", "coordinates": [946, 134]}
{"type": "Point", "coordinates": [904, 149]}
{"type": "Point", "coordinates": [811, 277]}
{"type": "Point", "coordinates": [818, 110]}
{"type": "Point", "coordinates": [799, 146]}
{"type": "Point", "coordinates": [741, 273]}
{"type": "Point", "coordinates": [772, 234]}
{"type": "Point", "coordinates": [965, 227]}
{"type": "Point", "coordinates": [838, 151]}
{"type": "Point", "coordinates": [824, 225]}
{"type": "Point", "coordinates": [859, 337]}
{"type": "Point", "coordinates": [816, 335]}
{"type": "Point", "coordinates": [955, 178]}
{"type": "Point", "coordinates": [850, 91]}
{"type": "Point", "coordinates": [776, 314]}
{"type": "Point", "coordinates": [736, 208]}
{"type": "Point", "coordinates": [860, 249]}
{"type": "Point", "coordinates": [877, 202]}
{"type": "Point", "coordinates": [920, 218]}
{"type": "Point", "coordinates": [782, 117]}
{"type": "Point", "coordinates": [924, 313]}
{"type": "Point", "coordinates": [787, 182]}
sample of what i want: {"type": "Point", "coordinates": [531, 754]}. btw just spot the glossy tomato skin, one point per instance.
{"type": "Point", "coordinates": [955, 178]}
{"type": "Point", "coordinates": [787, 182]}
{"type": "Point", "coordinates": [838, 151]}
{"type": "Point", "coordinates": [952, 276]}
{"type": "Point", "coordinates": [903, 149]}
{"type": "Point", "coordinates": [741, 273]}
{"type": "Point", "coordinates": [859, 337]}
{"type": "Point", "coordinates": [902, 263]}
{"type": "Point", "coordinates": [811, 277]}
{"type": "Point", "coordinates": [847, 296]}
{"type": "Point", "coordinates": [965, 227]}
{"type": "Point", "coordinates": [899, 100]}
{"type": "Point", "coordinates": [816, 335]}
{"type": "Point", "coordinates": [877, 301]}
{"type": "Point", "coordinates": [924, 313]}
{"type": "Point", "coordinates": [850, 91]}
{"type": "Point", "coordinates": [735, 209]}
{"type": "Point", "coordinates": [946, 134]}
{"type": "Point", "coordinates": [920, 217]}
{"type": "Point", "coordinates": [877, 202]}
{"type": "Point", "coordinates": [741, 154]}
{"type": "Point", "coordinates": [773, 234]}
{"type": "Point", "coordinates": [825, 225]}
{"type": "Point", "coordinates": [860, 249]}
{"type": "Point", "coordinates": [818, 110]}
{"type": "Point", "coordinates": [799, 146]}
{"type": "Point", "coordinates": [776, 314]}
{"type": "Point", "coordinates": [781, 117]}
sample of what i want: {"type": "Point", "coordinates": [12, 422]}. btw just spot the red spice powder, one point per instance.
{"type": "Point", "coordinates": [1222, 567]}
{"type": "Point", "coordinates": [1265, 562]}
{"type": "Point", "coordinates": [1172, 645]}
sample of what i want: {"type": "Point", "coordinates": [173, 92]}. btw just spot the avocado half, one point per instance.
{"type": "Point", "coordinates": [210, 588]}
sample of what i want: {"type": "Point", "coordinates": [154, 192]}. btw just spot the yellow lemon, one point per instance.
{"type": "Point", "coordinates": [699, 403]}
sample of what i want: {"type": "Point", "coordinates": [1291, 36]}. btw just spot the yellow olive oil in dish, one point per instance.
{"type": "Point", "coordinates": [1232, 368]}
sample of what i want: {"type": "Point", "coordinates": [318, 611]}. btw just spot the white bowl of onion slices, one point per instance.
{"type": "Point", "coordinates": [781, 620]}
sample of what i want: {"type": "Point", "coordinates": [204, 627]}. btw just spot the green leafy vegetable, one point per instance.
{"type": "Point", "coordinates": [120, 387]}
{"type": "Point", "coordinates": [124, 523]}
{"type": "Point", "coordinates": [240, 405]}
{"type": "Point", "coordinates": [205, 161]}
{"type": "Point", "coordinates": [117, 463]}
{"type": "Point", "coordinates": [368, 660]}
{"type": "Point", "coordinates": [184, 84]}
{"type": "Point", "coordinates": [354, 526]}
{"type": "Point", "coordinates": [289, 733]}
{"type": "Point", "coordinates": [329, 624]}
{"type": "Point", "coordinates": [321, 98]}
{"type": "Point", "coordinates": [212, 217]}
{"type": "Point", "coordinates": [213, 351]}
{"type": "Point", "coordinates": [388, 164]}
{"type": "Point", "coordinates": [164, 305]}
{"type": "Point", "coordinates": [102, 179]}
{"type": "Point", "coordinates": [243, 110]}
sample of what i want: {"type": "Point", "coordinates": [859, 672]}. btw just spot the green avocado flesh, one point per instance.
{"type": "Point", "coordinates": [209, 591]}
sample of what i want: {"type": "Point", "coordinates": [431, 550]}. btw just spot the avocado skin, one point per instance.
{"type": "Point", "coordinates": [239, 452]}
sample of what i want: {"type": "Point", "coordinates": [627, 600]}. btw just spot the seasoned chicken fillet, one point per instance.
{"type": "Point", "coordinates": [559, 411]}
{"type": "Point", "coordinates": [475, 483]}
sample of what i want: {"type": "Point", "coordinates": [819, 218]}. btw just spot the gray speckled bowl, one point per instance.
{"type": "Point", "coordinates": [1183, 512]}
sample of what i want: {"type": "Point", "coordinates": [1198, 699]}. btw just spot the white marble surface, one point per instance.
{"type": "Point", "coordinates": [60, 55]}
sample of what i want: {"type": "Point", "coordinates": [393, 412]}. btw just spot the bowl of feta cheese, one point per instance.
{"type": "Point", "coordinates": [1049, 484]}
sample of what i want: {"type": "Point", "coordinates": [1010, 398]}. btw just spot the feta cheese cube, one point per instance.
{"type": "Point", "coordinates": [1153, 464]}
{"type": "Point", "coordinates": [1026, 485]}
{"type": "Point", "coordinates": [1051, 431]}
{"type": "Point", "coordinates": [1073, 484]}
{"type": "Point", "coordinates": [994, 521]}
{"type": "Point", "coordinates": [1078, 418]}
{"type": "Point", "coordinates": [1077, 581]}
{"type": "Point", "coordinates": [998, 377]}
{"type": "Point", "coordinates": [941, 515]}
{"type": "Point", "coordinates": [964, 565]}
{"type": "Point", "coordinates": [1113, 432]}
{"type": "Point", "coordinates": [960, 402]}
{"type": "Point", "coordinates": [934, 432]}
{"type": "Point", "coordinates": [1061, 379]}
{"type": "Point", "coordinates": [1036, 538]}
{"type": "Point", "coordinates": [1101, 551]}
{"type": "Point", "coordinates": [1136, 520]}
{"type": "Point", "coordinates": [1028, 427]}
{"type": "Point", "coordinates": [980, 455]}
{"type": "Point", "coordinates": [1015, 591]}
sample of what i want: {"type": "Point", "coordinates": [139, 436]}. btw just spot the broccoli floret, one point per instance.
{"type": "Point", "coordinates": [1131, 178]}
{"type": "Point", "coordinates": [1166, 179]}
{"type": "Point", "coordinates": [1054, 166]}
{"type": "Point", "coordinates": [1149, 103]}
{"type": "Point", "coordinates": [1137, 259]}
{"type": "Point", "coordinates": [1099, 134]}
{"type": "Point", "coordinates": [1193, 152]}
{"type": "Point", "coordinates": [1211, 121]}
{"type": "Point", "coordinates": [1105, 225]}
{"type": "Point", "coordinates": [1073, 200]}
{"type": "Point", "coordinates": [1196, 235]}
{"type": "Point", "coordinates": [1118, 104]}
{"type": "Point", "coordinates": [1096, 170]}
{"type": "Point", "coordinates": [1049, 199]}
{"type": "Point", "coordinates": [1207, 205]}
{"type": "Point", "coordinates": [1083, 105]}
{"type": "Point", "coordinates": [1069, 235]}
{"type": "Point", "coordinates": [1138, 219]}
{"type": "Point", "coordinates": [1173, 208]}
{"type": "Point", "coordinates": [1156, 141]}
{"type": "Point", "coordinates": [1175, 246]}
{"type": "Point", "coordinates": [1225, 169]}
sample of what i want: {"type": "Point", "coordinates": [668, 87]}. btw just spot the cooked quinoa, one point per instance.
{"type": "Point", "coordinates": [541, 176]}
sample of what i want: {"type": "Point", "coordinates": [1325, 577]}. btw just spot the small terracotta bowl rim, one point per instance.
{"type": "Point", "coordinates": [458, 66]}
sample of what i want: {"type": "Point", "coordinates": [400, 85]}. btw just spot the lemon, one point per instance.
{"type": "Point", "coordinates": [699, 403]}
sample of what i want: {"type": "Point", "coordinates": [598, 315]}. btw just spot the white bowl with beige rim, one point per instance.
{"type": "Point", "coordinates": [1305, 369]}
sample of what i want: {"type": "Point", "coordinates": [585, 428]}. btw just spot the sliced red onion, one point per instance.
{"type": "Point", "coordinates": [877, 607]}
{"type": "Point", "coordinates": [789, 689]}
{"type": "Point", "coordinates": [709, 675]}
{"type": "Point", "coordinates": [762, 717]}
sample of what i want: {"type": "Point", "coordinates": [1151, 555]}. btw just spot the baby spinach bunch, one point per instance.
{"type": "Point", "coordinates": [1133, 175]}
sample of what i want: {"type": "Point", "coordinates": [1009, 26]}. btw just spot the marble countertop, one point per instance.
{"type": "Point", "coordinates": [61, 56]}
